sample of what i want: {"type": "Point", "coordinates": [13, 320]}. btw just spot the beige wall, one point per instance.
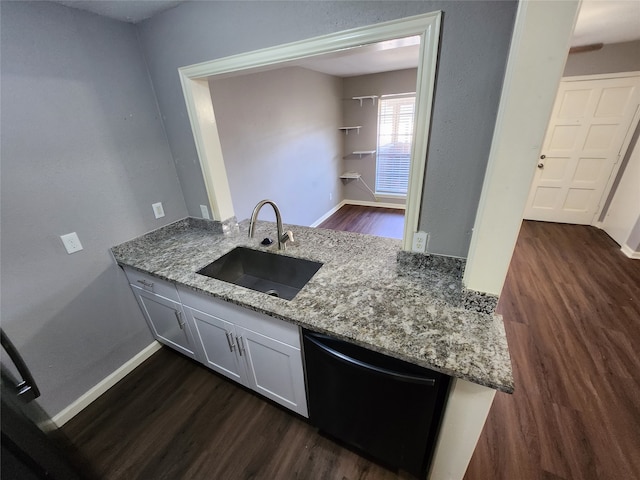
{"type": "Point", "coordinates": [401, 81]}
{"type": "Point", "coordinates": [280, 140]}
{"type": "Point", "coordinates": [613, 58]}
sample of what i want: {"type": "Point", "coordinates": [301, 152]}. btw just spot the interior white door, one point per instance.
{"type": "Point", "coordinates": [581, 150]}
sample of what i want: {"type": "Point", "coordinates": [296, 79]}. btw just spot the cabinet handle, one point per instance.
{"type": "Point", "coordinates": [145, 283]}
{"type": "Point", "coordinates": [240, 345]}
{"type": "Point", "coordinates": [230, 341]}
{"type": "Point", "coordinates": [179, 319]}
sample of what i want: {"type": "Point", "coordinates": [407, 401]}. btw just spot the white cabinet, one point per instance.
{"type": "Point", "coordinates": [219, 344]}
{"type": "Point", "coordinates": [258, 351]}
{"type": "Point", "coordinates": [164, 315]}
{"type": "Point", "coordinates": [274, 369]}
{"type": "Point", "coordinates": [255, 350]}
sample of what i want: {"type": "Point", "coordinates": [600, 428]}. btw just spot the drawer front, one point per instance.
{"type": "Point", "coordinates": [152, 284]}
{"type": "Point", "coordinates": [275, 328]}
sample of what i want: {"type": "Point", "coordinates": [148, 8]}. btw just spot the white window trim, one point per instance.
{"type": "Point", "coordinates": [381, 193]}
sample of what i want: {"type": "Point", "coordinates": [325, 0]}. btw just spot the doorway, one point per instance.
{"type": "Point", "coordinates": [283, 136]}
{"type": "Point", "coordinates": [195, 82]}
{"type": "Point", "coordinates": [590, 128]}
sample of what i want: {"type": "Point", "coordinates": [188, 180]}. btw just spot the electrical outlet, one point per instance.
{"type": "Point", "coordinates": [205, 212]}
{"type": "Point", "coordinates": [158, 211]}
{"type": "Point", "coordinates": [420, 242]}
{"type": "Point", "coordinates": [330, 196]}
{"type": "Point", "coordinates": [71, 242]}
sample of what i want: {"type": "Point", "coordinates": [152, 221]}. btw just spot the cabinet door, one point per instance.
{"type": "Point", "coordinates": [274, 369]}
{"type": "Point", "coordinates": [166, 320]}
{"type": "Point", "coordinates": [217, 340]}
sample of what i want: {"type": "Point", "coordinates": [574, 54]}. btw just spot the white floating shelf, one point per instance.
{"type": "Point", "coordinates": [346, 129]}
{"type": "Point", "coordinates": [350, 175]}
{"type": "Point", "coordinates": [359, 153]}
{"type": "Point", "coordinates": [367, 97]}
{"type": "Point", "coordinates": [363, 152]}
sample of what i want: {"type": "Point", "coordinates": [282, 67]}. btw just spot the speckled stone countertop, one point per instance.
{"type": "Point", "coordinates": [367, 292]}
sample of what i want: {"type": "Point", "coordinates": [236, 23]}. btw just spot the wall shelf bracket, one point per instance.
{"type": "Point", "coordinates": [367, 97]}
{"type": "Point", "coordinates": [346, 129]}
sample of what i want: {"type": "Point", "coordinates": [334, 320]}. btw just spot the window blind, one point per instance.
{"type": "Point", "coordinates": [395, 136]}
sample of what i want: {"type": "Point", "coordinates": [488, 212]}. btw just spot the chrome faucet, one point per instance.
{"type": "Point", "coordinates": [282, 237]}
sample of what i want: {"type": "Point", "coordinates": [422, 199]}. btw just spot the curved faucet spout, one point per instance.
{"type": "Point", "coordinates": [254, 217]}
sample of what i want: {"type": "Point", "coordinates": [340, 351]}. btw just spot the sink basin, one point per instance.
{"type": "Point", "coordinates": [269, 273]}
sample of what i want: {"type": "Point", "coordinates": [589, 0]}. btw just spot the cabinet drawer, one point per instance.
{"type": "Point", "coordinates": [152, 284]}
{"type": "Point", "coordinates": [275, 328]}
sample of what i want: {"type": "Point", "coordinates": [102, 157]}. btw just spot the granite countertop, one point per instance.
{"type": "Point", "coordinates": [369, 292]}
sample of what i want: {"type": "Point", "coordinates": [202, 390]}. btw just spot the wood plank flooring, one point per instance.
{"type": "Point", "coordinates": [382, 222]}
{"type": "Point", "coordinates": [571, 306]}
{"type": "Point", "coordinates": [174, 419]}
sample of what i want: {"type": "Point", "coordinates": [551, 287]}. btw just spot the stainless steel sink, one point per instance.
{"type": "Point", "coordinates": [276, 275]}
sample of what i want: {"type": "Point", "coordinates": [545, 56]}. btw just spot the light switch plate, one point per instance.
{"type": "Point", "coordinates": [71, 242]}
{"type": "Point", "coordinates": [205, 212]}
{"type": "Point", "coordinates": [158, 211]}
{"type": "Point", "coordinates": [419, 242]}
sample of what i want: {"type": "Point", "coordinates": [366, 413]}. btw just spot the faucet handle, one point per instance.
{"type": "Point", "coordinates": [287, 237]}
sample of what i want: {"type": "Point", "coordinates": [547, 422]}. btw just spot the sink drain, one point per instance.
{"type": "Point", "coordinates": [273, 293]}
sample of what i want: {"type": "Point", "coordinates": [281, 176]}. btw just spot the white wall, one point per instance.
{"type": "Point", "coordinates": [83, 149]}
{"type": "Point", "coordinates": [401, 81]}
{"type": "Point", "coordinates": [280, 140]}
{"type": "Point", "coordinates": [623, 213]}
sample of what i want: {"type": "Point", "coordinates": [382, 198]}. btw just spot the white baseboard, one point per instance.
{"type": "Point", "coordinates": [327, 215]}
{"type": "Point", "coordinates": [630, 252]}
{"type": "Point", "coordinates": [368, 203]}
{"type": "Point", "coordinates": [85, 400]}
{"type": "Point", "coordinates": [363, 203]}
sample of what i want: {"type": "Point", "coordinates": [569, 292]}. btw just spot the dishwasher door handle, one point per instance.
{"type": "Point", "coordinates": [431, 382]}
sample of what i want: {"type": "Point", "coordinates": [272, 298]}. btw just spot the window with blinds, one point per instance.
{"type": "Point", "coordinates": [395, 135]}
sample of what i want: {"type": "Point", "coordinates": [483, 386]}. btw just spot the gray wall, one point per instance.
{"type": "Point", "coordinates": [401, 81]}
{"type": "Point", "coordinates": [83, 150]}
{"type": "Point", "coordinates": [612, 58]}
{"type": "Point", "coordinates": [280, 140]}
{"type": "Point", "coordinates": [473, 54]}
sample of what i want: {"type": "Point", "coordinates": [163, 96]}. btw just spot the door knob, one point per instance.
{"type": "Point", "coordinates": [542, 157]}
{"type": "Point", "coordinates": [541, 165]}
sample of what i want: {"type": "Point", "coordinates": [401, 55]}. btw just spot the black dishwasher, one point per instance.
{"type": "Point", "coordinates": [382, 406]}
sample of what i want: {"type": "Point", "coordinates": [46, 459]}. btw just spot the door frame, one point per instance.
{"type": "Point", "coordinates": [195, 87]}
{"type": "Point", "coordinates": [537, 57]}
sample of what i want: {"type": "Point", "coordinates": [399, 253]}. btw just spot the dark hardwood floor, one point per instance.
{"type": "Point", "coordinates": [571, 306]}
{"type": "Point", "coordinates": [174, 419]}
{"type": "Point", "coordinates": [383, 222]}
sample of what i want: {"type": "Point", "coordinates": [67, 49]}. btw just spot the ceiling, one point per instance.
{"type": "Point", "coordinates": [607, 21]}
{"type": "Point", "coordinates": [130, 11]}
{"type": "Point", "coordinates": [599, 21]}
{"type": "Point", "coordinates": [374, 58]}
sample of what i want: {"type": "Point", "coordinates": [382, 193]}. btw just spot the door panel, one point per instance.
{"type": "Point", "coordinates": [589, 123]}
{"type": "Point", "coordinates": [166, 321]}
{"type": "Point", "coordinates": [217, 340]}
{"type": "Point", "coordinates": [274, 370]}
